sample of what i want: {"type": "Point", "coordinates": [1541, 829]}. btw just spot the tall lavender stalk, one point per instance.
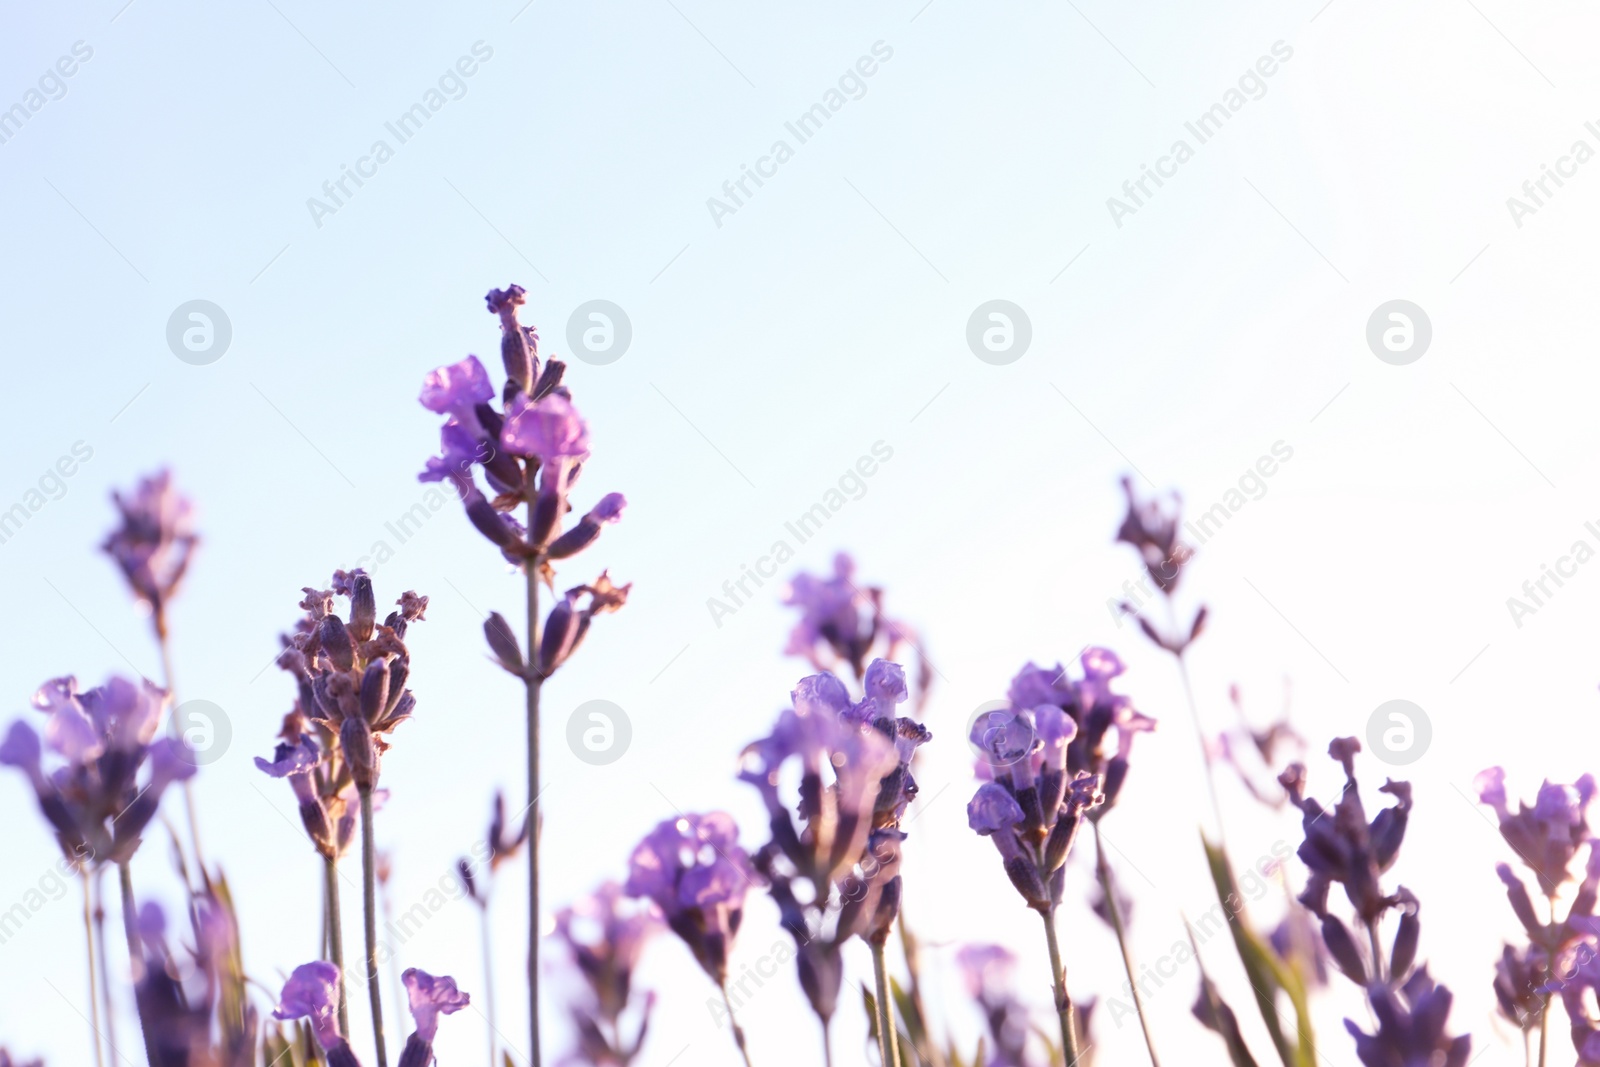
{"type": "Point", "coordinates": [531, 451]}
{"type": "Point", "coordinates": [94, 984]}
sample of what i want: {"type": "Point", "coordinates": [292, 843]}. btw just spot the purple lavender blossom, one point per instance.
{"type": "Point", "coordinates": [605, 937]}
{"type": "Point", "coordinates": [1547, 834]}
{"type": "Point", "coordinates": [428, 998]}
{"type": "Point", "coordinates": [1411, 1022]}
{"type": "Point", "coordinates": [550, 429]}
{"type": "Point", "coordinates": [693, 869]}
{"type": "Point", "coordinates": [105, 736]}
{"type": "Point", "coordinates": [312, 994]}
{"type": "Point", "coordinates": [155, 542]}
{"type": "Point", "coordinates": [843, 625]}
{"type": "Point", "coordinates": [1151, 526]}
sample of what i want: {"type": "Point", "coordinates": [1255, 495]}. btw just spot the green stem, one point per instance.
{"type": "Point", "coordinates": [105, 967]}
{"type": "Point", "coordinates": [130, 929]}
{"type": "Point", "coordinates": [534, 683]}
{"type": "Point", "coordinates": [738, 1031]}
{"type": "Point", "coordinates": [94, 985]}
{"type": "Point", "coordinates": [888, 1038]}
{"type": "Point", "coordinates": [1103, 870]}
{"type": "Point", "coordinates": [330, 885]}
{"type": "Point", "coordinates": [369, 904]}
{"type": "Point", "coordinates": [1058, 976]}
{"type": "Point", "coordinates": [488, 980]}
{"type": "Point", "coordinates": [188, 783]}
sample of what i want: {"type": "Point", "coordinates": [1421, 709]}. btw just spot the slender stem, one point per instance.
{"type": "Point", "coordinates": [1064, 1008]}
{"type": "Point", "coordinates": [738, 1031]}
{"type": "Point", "coordinates": [534, 682]}
{"type": "Point", "coordinates": [1102, 868]}
{"type": "Point", "coordinates": [130, 929]}
{"type": "Point", "coordinates": [888, 1037]}
{"type": "Point", "coordinates": [488, 980]}
{"type": "Point", "coordinates": [369, 904]}
{"type": "Point", "coordinates": [188, 783]}
{"type": "Point", "coordinates": [1377, 952]}
{"type": "Point", "coordinates": [827, 1042]}
{"type": "Point", "coordinates": [94, 985]}
{"type": "Point", "coordinates": [330, 885]}
{"type": "Point", "coordinates": [913, 953]}
{"type": "Point", "coordinates": [1549, 977]}
{"type": "Point", "coordinates": [105, 967]}
{"type": "Point", "coordinates": [1205, 752]}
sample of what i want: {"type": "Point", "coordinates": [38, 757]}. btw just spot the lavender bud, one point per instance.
{"type": "Point", "coordinates": [315, 819]}
{"type": "Point", "coordinates": [583, 535]}
{"type": "Point", "coordinates": [399, 671]}
{"type": "Point", "coordinates": [1342, 947]}
{"type": "Point", "coordinates": [1026, 879]}
{"type": "Point", "coordinates": [335, 641]}
{"type": "Point", "coordinates": [514, 349]}
{"type": "Point", "coordinates": [553, 370]}
{"type": "Point", "coordinates": [363, 609]}
{"type": "Point", "coordinates": [1521, 904]}
{"type": "Point", "coordinates": [1404, 951]}
{"type": "Point", "coordinates": [503, 643]}
{"type": "Point", "coordinates": [561, 628]}
{"type": "Point", "coordinates": [359, 751]}
{"type": "Point", "coordinates": [490, 522]}
{"type": "Point", "coordinates": [374, 691]}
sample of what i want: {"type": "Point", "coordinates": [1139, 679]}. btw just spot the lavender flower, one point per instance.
{"type": "Point", "coordinates": [312, 994]}
{"type": "Point", "coordinates": [154, 544]}
{"type": "Point", "coordinates": [1411, 1022]}
{"type": "Point", "coordinates": [693, 869]}
{"type": "Point", "coordinates": [1151, 526]}
{"type": "Point", "coordinates": [178, 999]}
{"type": "Point", "coordinates": [605, 938]}
{"type": "Point", "coordinates": [843, 624]}
{"type": "Point", "coordinates": [94, 802]}
{"type": "Point", "coordinates": [1547, 835]}
{"type": "Point", "coordinates": [429, 998]}
{"type": "Point", "coordinates": [988, 972]}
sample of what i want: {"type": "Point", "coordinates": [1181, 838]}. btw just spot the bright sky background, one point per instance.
{"type": "Point", "coordinates": [771, 351]}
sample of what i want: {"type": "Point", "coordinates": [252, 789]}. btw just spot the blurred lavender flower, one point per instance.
{"type": "Point", "coordinates": [429, 998]}
{"type": "Point", "coordinates": [848, 761]}
{"type": "Point", "coordinates": [1411, 1023]}
{"type": "Point", "coordinates": [93, 801]}
{"type": "Point", "coordinates": [843, 625]}
{"type": "Point", "coordinates": [312, 993]}
{"type": "Point", "coordinates": [179, 997]}
{"type": "Point", "coordinates": [154, 544]}
{"type": "Point", "coordinates": [605, 937]}
{"type": "Point", "coordinates": [988, 972]}
{"type": "Point", "coordinates": [1548, 834]}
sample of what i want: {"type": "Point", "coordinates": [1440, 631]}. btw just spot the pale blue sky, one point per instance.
{"type": "Point", "coordinates": [774, 346]}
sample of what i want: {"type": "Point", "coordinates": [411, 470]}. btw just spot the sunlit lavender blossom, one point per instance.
{"type": "Point", "coordinates": [988, 971]}
{"type": "Point", "coordinates": [428, 998]}
{"type": "Point", "coordinates": [1547, 834]}
{"type": "Point", "coordinates": [605, 935]}
{"type": "Point", "coordinates": [843, 625]}
{"type": "Point", "coordinates": [312, 994]}
{"type": "Point", "coordinates": [693, 869]}
{"type": "Point", "coordinates": [155, 542]}
{"type": "Point", "coordinates": [1411, 1022]}
{"type": "Point", "coordinates": [180, 997]}
{"type": "Point", "coordinates": [105, 735]}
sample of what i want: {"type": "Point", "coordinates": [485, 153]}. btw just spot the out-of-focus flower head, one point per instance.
{"type": "Point", "coordinates": [153, 545]}
{"type": "Point", "coordinates": [1547, 834]}
{"type": "Point", "coordinates": [1411, 1027]}
{"type": "Point", "coordinates": [842, 625]}
{"type": "Point", "coordinates": [105, 736]}
{"type": "Point", "coordinates": [987, 972]}
{"type": "Point", "coordinates": [499, 845]}
{"type": "Point", "coordinates": [605, 934]}
{"type": "Point", "coordinates": [429, 998]}
{"type": "Point", "coordinates": [1519, 974]}
{"type": "Point", "coordinates": [193, 1007]}
{"type": "Point", "coordinates": [312, 994]}
{"type": "Point", "coordinates": [693, 869]}
{"type": "Point", "coordinates": [1152, 527]}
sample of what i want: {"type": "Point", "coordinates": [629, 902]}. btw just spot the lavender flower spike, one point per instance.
{"type": "Point", "coordinates": [153, 545]}
{"type": "Point", "coordinates": [430, 998]}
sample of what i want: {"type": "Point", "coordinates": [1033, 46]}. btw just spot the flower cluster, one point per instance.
{"type": "Point", "coordinates": [179, 994]}
{"type": "Point", "coordinates": [1049, 760]}
{"type": "Point", "coordinates": [693, 869]}
{"type": "Point", "coordinates": [839, 866]}
{"type": "Point", "coordinates": [843, 625]}
{"type": "Point", "coordinates": [94, 801]}
{"type": "Point", "coordinates": [312, 993]}
{"type": "Point", "coordinates": [988, 972]}
{"type": "Point", "coordinates": [154, 544]}
{"type": "Point", "coordinates": [352, 677]}
{"type": "Point", "coordinates": [605, 936]}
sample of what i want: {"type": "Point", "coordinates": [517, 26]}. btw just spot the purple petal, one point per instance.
{"type": "Point", "coordinates": [431, 997]}
{"type": "Point", "coordinates": [456, 387]}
